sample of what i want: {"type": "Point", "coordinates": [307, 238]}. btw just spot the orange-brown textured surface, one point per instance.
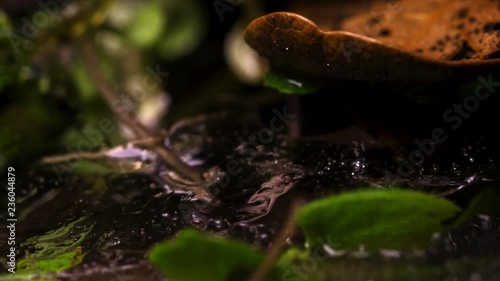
{"type": "Point", "coordinates": [408, 42]}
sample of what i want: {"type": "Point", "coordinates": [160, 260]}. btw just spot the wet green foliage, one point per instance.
{"type": "Point", "coordinates": [147, 25]}
{"type": "Point", "coordinates": [376, 219]}
{"type": "Point", "coordinates": [214, 258]}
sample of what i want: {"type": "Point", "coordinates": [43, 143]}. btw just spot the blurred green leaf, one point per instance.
{"type": "Point", "coordinates": [292, 255]}
{"type": "Point", "coordinates": [484, 203]}
{"type": "Point", "coordinates": [194, 256]}
{"type": "Point", "coordinates": [147, 25]}
{"type": "Point", "coordinates": [9, 67]}
{"type": "Point", "coordinates": [389, 219]}
{"type": "Point", "coordinates": [186, 28]}
{"type": "Point", "coordinates": [37, 132]}
{"type": "Point", "coordinates": [83, 83]}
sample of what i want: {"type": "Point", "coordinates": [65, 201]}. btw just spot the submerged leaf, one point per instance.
{"type": "Point", "coordinates": [484, 203]}
{"type": "Point", "coordinates": [57, 250]}
{"type": "Point", "coordinates": [390, 219]}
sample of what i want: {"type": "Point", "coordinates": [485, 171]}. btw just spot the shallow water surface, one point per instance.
{"type": "Point", "coordinates": [106, 224]}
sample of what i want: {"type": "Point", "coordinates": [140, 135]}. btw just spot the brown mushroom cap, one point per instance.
{"type": "Point", "coordinates": [400, 51]}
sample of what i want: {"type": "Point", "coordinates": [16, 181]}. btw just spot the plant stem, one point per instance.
{"type": "Point", "coordinates": [127, 116]}
{"type": "Point", "coordinates": [279, 243]}
{"type": "Point", "coordinates": [295, 126]}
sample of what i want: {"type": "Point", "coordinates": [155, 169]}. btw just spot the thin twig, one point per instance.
{"type": "Point", "coordinates": [127, 116]}
{"type": "Point", "coordinates": [279, 243]}
{"type": "Point", "coordinates": [123, 113]}
{"type": "Point", "coordinates": [73, 156]}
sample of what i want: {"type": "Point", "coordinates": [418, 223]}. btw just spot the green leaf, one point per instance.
{"type": "Point", "coordinates": [292, 255]}
{"type": "Point", "coordinates": [194, 256]}
{"type": "Point", "coordinates": [389, 219]}
{"type": "Point", "coordinates": [288, 84]}
{"type": "Point", "coordinates": [186, 28]}
{"type": "Point", "coordinates": [484, 203]}
{"type": "Point", "coordinates": [147, 26]}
